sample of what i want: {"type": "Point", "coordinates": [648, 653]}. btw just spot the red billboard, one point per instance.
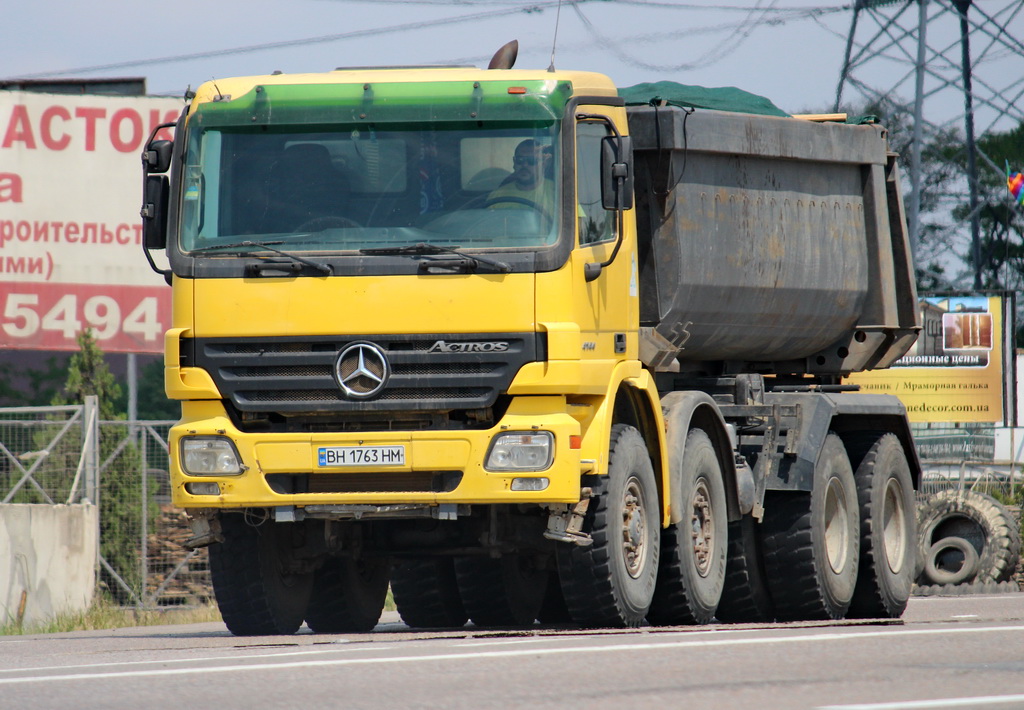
{"type": "Point", "coordinates": [70, 233]}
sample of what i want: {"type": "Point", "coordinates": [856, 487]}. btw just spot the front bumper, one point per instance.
{"type": "Point", "coordinates": [281, 469]}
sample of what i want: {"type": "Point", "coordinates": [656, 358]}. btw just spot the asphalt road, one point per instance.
{"type": "Point", "coordinates": [963, 652]}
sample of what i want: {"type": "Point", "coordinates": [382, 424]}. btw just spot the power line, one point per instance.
{"type": "Point", "coordinates": [741, 30]}
{"type": "Point", "coordinates": [373, 32]}
{"type": "Point", "coordinates": [780, 15]}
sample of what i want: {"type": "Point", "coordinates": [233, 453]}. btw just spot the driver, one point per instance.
{"type": "Point", "coordinates": [528, 185]}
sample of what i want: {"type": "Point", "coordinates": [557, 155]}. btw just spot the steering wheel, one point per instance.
{"type": "Point", "coordinates": [515, 200]}
{"type": "Point", "coordinates": [326, 222]}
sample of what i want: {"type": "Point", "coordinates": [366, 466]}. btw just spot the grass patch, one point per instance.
{"type": "Point", "coordinates": [106, 615]}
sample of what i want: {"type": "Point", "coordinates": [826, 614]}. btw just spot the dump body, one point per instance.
{"type": "Point", "coordinates": [769, 244]}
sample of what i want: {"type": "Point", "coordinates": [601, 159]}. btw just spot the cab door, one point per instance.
{"type": "Point", "coordinates": [607, 307]}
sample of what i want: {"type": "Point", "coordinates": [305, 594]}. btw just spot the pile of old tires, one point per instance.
{"type": "Point", "coordinates": [969, 543]}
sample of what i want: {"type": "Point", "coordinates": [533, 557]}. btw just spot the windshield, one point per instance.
{"type": "Point", "coordinates": [348, 187]}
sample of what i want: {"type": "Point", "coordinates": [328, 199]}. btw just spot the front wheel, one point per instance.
{"type": "Point", "coordinates": [259, 588]}
{"type": "Point", "coordinates": [508, 591]}
{"type": "Point", "coordinates": [611, 582]}
{"type": "Point", "coordinates": [693, 551]}
{"type": "Point", "coordinates": [427, 594]}
{"type": "Point", "coordinates": [348, 595]}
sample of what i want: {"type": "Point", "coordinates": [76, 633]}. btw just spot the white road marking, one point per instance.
{"type": "Point", "coordinates": [510, 653]}
{"type": "Point", "coordinates": [943, 703]}
{"type": "Point", "coordinates": [197, 659]}
{"type": "Point", "coordinates": [510, 642]}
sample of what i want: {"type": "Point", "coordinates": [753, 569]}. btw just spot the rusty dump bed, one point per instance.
{"type": "Point", "coordinates": [770, 244]}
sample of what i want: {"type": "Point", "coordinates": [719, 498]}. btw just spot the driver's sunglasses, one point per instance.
{"type": "Point", "coordinates": [525, 160]}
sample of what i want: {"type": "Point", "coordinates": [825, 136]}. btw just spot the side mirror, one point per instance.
{"type": "Point", "coordinates": [157, 156]}
{"type": "Point", "coordinates": [154, 211]}
{"type": "Point", "coordinates": [617, 172]}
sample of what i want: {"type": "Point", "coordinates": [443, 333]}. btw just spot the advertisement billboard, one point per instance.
{"type": "Point", "coordinates": [960, 367]}
{"type": "Point", "coordinates": [70, 232]}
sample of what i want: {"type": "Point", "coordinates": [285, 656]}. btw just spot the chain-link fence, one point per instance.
{"type": "Point", "coordinates": [49, 454]}
{"type": "Point", "coordinates": [54, 455]}
{"type": "Point", "coordinates": [970, 457]}
{"type": "Point", "coordinates": [141, 533]}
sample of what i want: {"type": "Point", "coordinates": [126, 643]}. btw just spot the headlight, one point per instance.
{"type": "Point", "coordinates": [521, 451]}
{"type": "Point", "coordinates": [209, 456]}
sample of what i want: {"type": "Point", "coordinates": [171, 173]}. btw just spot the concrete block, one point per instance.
{"type": "Point", "coordinates": [48, 557]}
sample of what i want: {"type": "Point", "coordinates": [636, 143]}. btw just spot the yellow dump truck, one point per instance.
{"type": "Point", "coordinates": [524, 351]}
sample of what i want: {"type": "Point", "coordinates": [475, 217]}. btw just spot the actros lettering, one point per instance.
{"type": "Point", "coordinates": [441, 346]}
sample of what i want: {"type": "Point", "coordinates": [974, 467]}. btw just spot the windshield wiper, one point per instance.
{"type": "Point", "coordinates": [424, 249]}
{"type": "Point", "coordinates": [234, 245]}
{"type": "Point", "coordinates": [321, 267]}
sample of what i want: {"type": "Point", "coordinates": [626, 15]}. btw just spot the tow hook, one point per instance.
{"type": "Point", "coordinates": [205, 525]}
{"type": "Point", "coordinates": [567, 525]}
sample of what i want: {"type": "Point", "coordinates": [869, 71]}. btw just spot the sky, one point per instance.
{"type": "Point", "coordinates": [788, 50]}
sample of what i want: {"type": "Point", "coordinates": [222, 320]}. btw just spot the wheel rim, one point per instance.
{"type": "Point", "coordinates": [634, 529]}
{"type": "Point", "coordinates": [837, 535]}
{"type": "Point", "coordinates": [894, 533]}
{"type": "Point", "coordinates": [702, 528]}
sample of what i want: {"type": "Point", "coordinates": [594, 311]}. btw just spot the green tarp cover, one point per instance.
{"type": "Point", "coordinates": [727, 98]}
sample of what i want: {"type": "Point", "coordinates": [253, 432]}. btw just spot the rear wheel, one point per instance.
{"type": "Point", "coordinates": [554, 610]}
{"type": "Point", "coordinates": [693, 551]}
{"type": "Point", "coordinates": [508, 591]}
{"type": "Point", "coordinates": [611, 582]}
{"type": "Point", "coordinates": [426, 593]}
{"type": "Point", "coordinates": [260, 589]}
{"type": "Point", "coordinates": [888, 531]}
{"type": "Point", "coordinates": [348, 595]}
{"type": "Point", "coordinates": [812, 541]}
{"type": "Point", "coordinates": [745, 596]}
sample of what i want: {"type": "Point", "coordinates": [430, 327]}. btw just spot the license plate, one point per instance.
{"type": "Point", "coordinates": [361, 456]}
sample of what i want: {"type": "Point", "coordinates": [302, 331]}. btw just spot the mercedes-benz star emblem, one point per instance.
{"type": "Point", "coordinates": [361, 370]}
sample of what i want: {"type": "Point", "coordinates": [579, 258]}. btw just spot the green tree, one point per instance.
{"type": "Point", "coordinates": [1002, 222]}
{"type": "Point", "coordinates": [89, 374]}
{"type": "Point", "coordinates": [152, 399]}
{"type": "Point", "coordinates": [121, 502]}
{"type": "Point", "coordinates": [22, 386]}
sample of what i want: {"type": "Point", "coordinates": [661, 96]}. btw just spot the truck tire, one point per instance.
{"type": "Point", "coordinates": [952, 560]}
{"type": "Point", "coordinates": [977, 518]}
{"type": "Point", "coordinates": [693, 551]}
{"type": "Point", "coordinates": [812, 541]}
{"type": "Point", "coordinates": [507, 591]}
{"type": "Point", "coordinates": [255, 593]}
{"type": "Point", "coordinates": [888, 531]}
{"type": "Point", "coordinates": [426, 593]}
{"type": "Point", "coordinates": [745, 597]}
{"type": "Point", "coordinates": [611, 582]}
{"type": "Point", "coordinates": [348, 595]}
{"type": "Point", "coordinates": [554, 610]}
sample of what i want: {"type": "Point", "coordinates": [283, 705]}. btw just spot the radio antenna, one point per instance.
{"type": "Point", "coordinates": [554, 40]}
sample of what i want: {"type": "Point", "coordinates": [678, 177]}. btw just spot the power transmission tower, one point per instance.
{"type": "Point", "coordinates": [948, 63]}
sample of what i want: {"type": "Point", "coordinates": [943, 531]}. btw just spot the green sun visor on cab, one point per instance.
{"type": "Point", "coordinates": [397, 102]}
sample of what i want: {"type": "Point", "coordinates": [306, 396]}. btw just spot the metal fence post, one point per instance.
{"type": "Point", "coordinates": [144, 463]}
{"type": "Point", "coordinates": [91, 456]}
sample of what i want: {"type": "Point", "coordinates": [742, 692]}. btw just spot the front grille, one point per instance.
{"type": "Point", "coordinates": [374, 482]}
{"type": "Point", "coordinates": [296, 375]}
